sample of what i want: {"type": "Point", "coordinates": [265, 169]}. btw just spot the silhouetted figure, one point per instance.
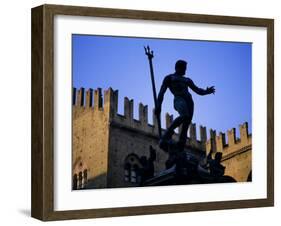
{"type": "Point", "coordinates": [147, 170]}
{"type": "Point", "coordinates": [152, 156]}
{"type": "Point", "coordinates": [216, 168]}
{"type": "Point", "coordinates": [183, 103]}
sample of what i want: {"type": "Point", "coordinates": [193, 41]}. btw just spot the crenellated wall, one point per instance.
{"type": "Point", "coordinates": [103, 138]}
{"type": "Point", "coordinates": [237, 152]}
{"type": "Point", "coordinates": [108, 101]}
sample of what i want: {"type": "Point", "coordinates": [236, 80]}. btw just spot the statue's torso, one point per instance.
{"type": "Point", "coordinates": [178, 86]}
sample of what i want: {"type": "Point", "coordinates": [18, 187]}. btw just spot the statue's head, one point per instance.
{"type": "Point", "coordinates": [180, 67]}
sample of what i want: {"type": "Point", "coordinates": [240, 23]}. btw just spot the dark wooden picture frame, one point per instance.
{"type": "Point", "coordinates": [43, 112]}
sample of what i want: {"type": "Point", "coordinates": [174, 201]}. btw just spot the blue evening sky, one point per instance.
{"type": "Point", "coordinates": [120, 63]}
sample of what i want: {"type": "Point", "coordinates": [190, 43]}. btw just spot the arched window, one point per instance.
{"type": "Point", "coordinates": [80, 173]}
{"type": "Point", "coordinates": [132, 169]}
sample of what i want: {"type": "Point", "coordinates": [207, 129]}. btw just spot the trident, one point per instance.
{"type": "Point", "coordinates": [150, 56]}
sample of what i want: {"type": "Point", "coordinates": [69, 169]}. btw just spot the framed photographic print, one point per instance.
{"type": "Point", "coordinates": [141, 112]}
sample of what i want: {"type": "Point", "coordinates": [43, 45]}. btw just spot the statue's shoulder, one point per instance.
{"type": "Point", "coordinates": [168, 76]}
{"type": "Point", "coordinates": [167, 79]}
{"type": "Point", "coordinates": [188, 80]}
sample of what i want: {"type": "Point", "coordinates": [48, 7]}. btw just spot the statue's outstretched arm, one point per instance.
{"type": "Point", "coordinates": [200, 91]}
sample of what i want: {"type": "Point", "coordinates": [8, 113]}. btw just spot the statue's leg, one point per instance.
{"type": "Point", "coordinates": [185, 109]}
{"type": "Point", "coordinates": [180, 106]}
{"type": "Point", "coordinates": [170, 131]}
{"type": "Point", "coordinates": [183, 135]}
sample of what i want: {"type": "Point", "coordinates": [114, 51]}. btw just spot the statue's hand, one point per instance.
{"type": "Point", "coordinates": [211, 90]}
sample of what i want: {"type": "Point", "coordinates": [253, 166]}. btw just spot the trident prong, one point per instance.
{"type": "Point", "coordinates": [148, 52]}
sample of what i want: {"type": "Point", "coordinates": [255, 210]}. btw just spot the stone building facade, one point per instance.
{"type": "Point", "coordinates": [108, 147]}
